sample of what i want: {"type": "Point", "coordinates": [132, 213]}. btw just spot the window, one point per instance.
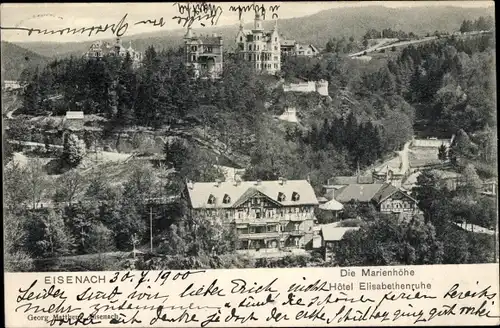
{"type": "Point", "coordinates": [276, 39]}
{"type": "Point", "coordinates": [241, 39]}
{"type": "Point", "coordinates": [249, 57]}
{"type": "Point", "coordinates": [250, 47]}
{"type": "Point", "coordinates": [226, 199]}
{"type": "Point", "coordinates": [211, 199]}
{"type": "Point", "coordinates": [257, 214]}
{"type": "Point", "coordinates": [275, 48]}
{"type": "Point", "coordinates": [295, 195]}
{"type": "Point", "coordinates": [257, 47]}
{"type": "Point", "coordinates": [208, 49]}
{"type": "Point", "coordinates": [281, 197]}
{"type": "Point", "coordinates": [194, 48]}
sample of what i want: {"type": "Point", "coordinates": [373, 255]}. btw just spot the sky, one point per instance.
{"type": "Point", "coordinates": [56, 16]}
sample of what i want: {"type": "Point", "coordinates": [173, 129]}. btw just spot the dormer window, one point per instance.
{"type": "Point", "coordinates": [295, 196]}
{"type": "Point", "coordinates": [211, 199]}
{"type": "Point", "coordinates": [226, 199]}
{"type": "Point", "coordinates": [281, 197]}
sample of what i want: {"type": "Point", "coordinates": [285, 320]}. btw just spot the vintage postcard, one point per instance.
{"type": "Point", "coordinates": [260, 164]}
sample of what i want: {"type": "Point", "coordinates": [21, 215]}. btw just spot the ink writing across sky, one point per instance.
{"type": "Point", "coordinates": [118, 29]}
{"type": "Point", "coordinates": [188, 13]}
{"type": "Point", "coordinates": [260, 9]}
{"type": "Point", "coordinates": [205, 13]}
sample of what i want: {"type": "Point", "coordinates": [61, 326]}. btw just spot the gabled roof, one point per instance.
{"type": "Point", "coordinates": [385, 192]}
{"type": "Point", "coordinates": [288, 42]}
{"type": "Point", "coordinates": [359, 192]}
{"type": "Point", "coordinates": [345, 180]}
{"type": "Point", "coordinates": [200, 191]}
{"type": "Point", "coordinates": [332, 232]}
{"type": "Point", "coordinates": [364, 193]}
{"type": "Point", "coordinates": [210, 39]}
{"type": "Point", "coordinates": [313, 48]}
{"type": "Point", "coordinates": [251, 192]}
{"type": "Point", "coordinates": [332, 205]}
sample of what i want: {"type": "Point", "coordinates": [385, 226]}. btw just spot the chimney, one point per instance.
{"type": "Point", "coordinates": [214, 35]}
{"type": "Point", "coordinates": [217, 182]}
{"type": "Point", "coordinates": [189, 184]}
{"type": "Point", "coordinates": [258, 182]}
{"type": "Point", "coordinates": [281, 180]}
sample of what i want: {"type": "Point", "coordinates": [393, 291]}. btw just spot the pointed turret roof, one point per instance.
{"type": "Point", "coordinates": [189, 33]}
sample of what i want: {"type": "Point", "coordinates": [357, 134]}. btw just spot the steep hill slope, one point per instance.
{"type": "Point", "coordinates": [15, 59]}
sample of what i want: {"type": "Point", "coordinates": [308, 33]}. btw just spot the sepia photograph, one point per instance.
{"type": "Point", "coordinates": [185, 136]}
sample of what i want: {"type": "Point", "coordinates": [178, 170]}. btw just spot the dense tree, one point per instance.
{"type": "Point", "coordinates": [443, 153]}
{"type": "Point", "coordinates": [389, 242]}
{"type": "Point", "coordinates": [73, 150]}
{"type": "Point", "coordinates": [15, 235]}
{"type": "Point", "coordinates": [100, 239]}
{"type": "Point", "coordinates": [79, 219]}
{"type": "Point", "coordinates": [37, 182]}
{"type": "Point", "coordinates": [16, 188]}
{"type": "Point", "coordinates": [48, 236]}
{"type": "Point", "coordinates": [430, 194]}
{"type": "Point", "coordinates": [68, 185]}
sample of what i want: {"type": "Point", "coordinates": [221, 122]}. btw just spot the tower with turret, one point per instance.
{"type": "Point", "coordinates": [259, 47]}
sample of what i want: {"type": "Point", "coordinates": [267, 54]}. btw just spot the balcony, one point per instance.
{"type": "Point", "coordinates": [294, 217]}
{"type": "Point", "coordinates": [262, 235]}
{"type": "Point", "coordinates": [296, 233]}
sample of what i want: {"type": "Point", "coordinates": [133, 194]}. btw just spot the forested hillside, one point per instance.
{"type": "Point", "coordinates": [15, 59]}
{"type": "Point", "coordinates": [372, 110]}
{"type": "Point", "coordinates": [446, 86]}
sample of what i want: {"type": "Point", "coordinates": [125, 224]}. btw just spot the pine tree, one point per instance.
{"type": "Point", "coordinates": [32, 96]}
{"type": "Point", "coordinates": [126, 92]}
{"type": "Point", "coordinates": [442, 153]}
